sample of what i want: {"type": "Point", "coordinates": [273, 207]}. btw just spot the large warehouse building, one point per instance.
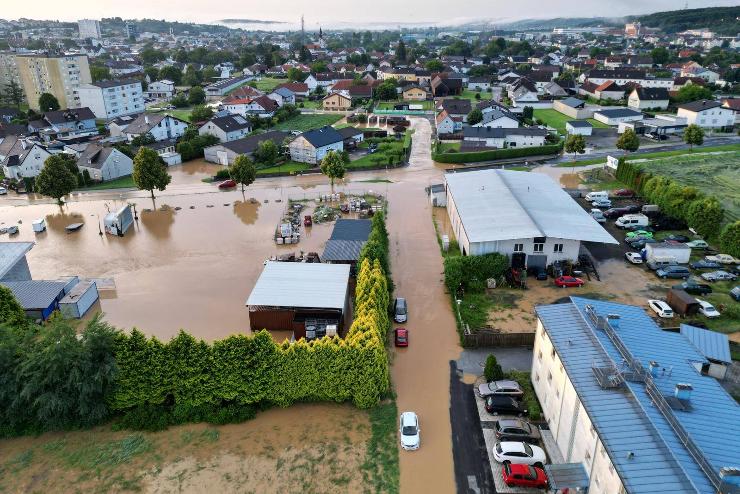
{"type": "Point", "coordinates": [526, 216]}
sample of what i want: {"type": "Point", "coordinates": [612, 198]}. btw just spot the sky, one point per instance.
{"type": "Point", "coordinates": [342, 13]}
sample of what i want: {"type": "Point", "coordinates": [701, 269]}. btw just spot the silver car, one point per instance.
{"type": "Point", "coordinates": [501, 388]}
{"type": "Point", "coordinates": [718, 276]}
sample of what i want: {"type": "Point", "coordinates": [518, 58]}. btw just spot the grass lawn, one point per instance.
{"type": "Point", "coordinates": [446, 146]}
{"type": "Point", "coordinates": [388, 105]}
{"type": "Point", "coordinates": [267, 84]}
{"type": "Point", "coordinates": [118, 183]}
{"type": "Point", "coordinates": [661, 154]}
{"type": "Point", "coordinates": [468, 94]}
{"type": "Point", "coordinates": [381, 469]}
{"type": "Point", "coordinates": [557, 120]}
{"type": "Point", "coordinates": [306, 122]}
{"type": "Point", "coordinates": [287, 167]}
{"type": "Point", "coordinates": [314, 105]}
{"type": "Point", "coordinates": [385, 152]}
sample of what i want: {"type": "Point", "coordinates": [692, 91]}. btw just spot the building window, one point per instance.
{"type": "Point", "coordinates": [558, 248]}
{"type": "Point", "coordinates": [539, 247]}
{"type": "Point", "coordinates": [518, 247]}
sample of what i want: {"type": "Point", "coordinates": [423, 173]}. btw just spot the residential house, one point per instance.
{"type": "Point", "coordinates": [312, 146]}
{"type": "Point", "coordinates": [415, 93]}
{"type": "Point", "coordinates": [121, 68]}
{"type": "Point", "coordinates": [496, 137]}
{"type": "Point", "coordinates": [522, 92]}
{"type": "Point", "coordinates": [707, 114]}
{"type": "Point", "coordinates": [479, 83]}
{"type": "Point", "coordinates": [76, 122]}
{"type": "Point", "coordinates": [111, 99]}
{"type": "Point", "coordinates": [167, 151]}
{"type": "Point", "coordinates": [496, 115]}
{"type": "Point", "coordinates": [104, 163]}
{"type": "Point", "coordinates": [445, 84]}
{"type": "Point", "coordinates": [160, 125]}
{"type": "Point", "coordinates": [299, 89]}
{"type": "Point", "coordinates": [21, 157]}
{"type": "Point", "coordinates": [573, 108]}
{"type": "Point", "coordinates": [734, 105]}
{"type": "Point", "coordinates": [336, 102]}
{"type": "Point", "coordinates": [447, 124]}
{"type": "Point", "coordinates": [616, 116]}
{"type": "Point", "coordinates": [227, 128]}
{"type": "Point", "coordinates": [351, 137]}
{"type": "Point", "coordinates": [261, 106]}
{"type": "Point", "coordinates": [163, 90]}
{"type": "Point", "coordinates": [648, 98]}
{"type": "Point", "coordinates": [283, 96]}
{"type": "Point", "coordinates": [225, 153]}
{"type": "Point", "coordinates": [455, 107]}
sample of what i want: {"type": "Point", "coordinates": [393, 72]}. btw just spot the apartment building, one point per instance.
{"type": "Point", "coordinates": [60, 75]}
{"type": "Point", "coordinates": [89, 28]}
{"type": "Point", "coordinates": [112, 99]}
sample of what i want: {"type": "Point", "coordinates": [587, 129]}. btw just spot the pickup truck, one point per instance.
{"type": "Point", "coordinates": [723, 259]}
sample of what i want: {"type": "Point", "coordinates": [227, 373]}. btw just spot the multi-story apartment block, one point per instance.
{"type": "Point", "coordinates": [60, 75]}
{"type": "Point", "coordinates": [112, 99]}
{"type": "Point", "coordinates": [89, 28]}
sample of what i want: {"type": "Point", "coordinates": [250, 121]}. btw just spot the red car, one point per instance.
{"type": "Point", "coordinates": [564, 281]}
{"type": "Point", "coordinates": [228, 184]}
{"type": "Point", "coordinates": [401, 336]}
{"type": "Point", "coordinates": [523, 476]}
{"type": "Point", "coordinates": [624, 193]}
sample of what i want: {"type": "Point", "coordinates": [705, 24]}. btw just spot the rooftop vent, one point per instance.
{"type": "Point", "coordinates": [683, 391]}
{"type": "Point", "coordinates": [654, 368]}
{"type": "Point", "coordinates": [730, 479]}
{"type": "Point", "coordinates": [613, 320]}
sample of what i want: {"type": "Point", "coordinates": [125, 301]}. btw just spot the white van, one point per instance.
{"type": "Point", "coordinates": [592, 196]}
{"type": "Point", "coordinates": [632, 220]}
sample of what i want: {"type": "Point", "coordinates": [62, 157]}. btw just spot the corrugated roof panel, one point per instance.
{"type": "Point", "coordinates": [300, 284]}
{"type": "Point", "coordinates": [11, 253]}
{"type": "Point", "coordinates": [35, 294]}
{"type": "Point", "coordinates": [711, 344]}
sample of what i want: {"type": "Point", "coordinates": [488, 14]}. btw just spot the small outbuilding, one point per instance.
{"type": "Point", "coordinates": [580, 127]}
{"type": "Point", "coordinates": [346, 241]}
{"type": "Point", "coordinates": [714, 346]}
{"type": "Point", "coordinates": [39, 299]}
{"type": "Point", "coordinates": [616, 116]}
{"type": "Point", "coordinates": [682, 303]}
{"type": "Point", "coordinates": [311, 299]}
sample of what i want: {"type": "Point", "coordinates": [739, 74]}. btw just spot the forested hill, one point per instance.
{"type": "Point", "coordinates": [721, 20]}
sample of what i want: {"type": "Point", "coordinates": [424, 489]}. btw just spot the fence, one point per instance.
{"type": "Point", "coordinates": [484, 338]}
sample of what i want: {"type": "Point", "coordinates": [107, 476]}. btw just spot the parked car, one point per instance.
{"type": "Point", "coordinates": [698, 244]}
{"type": "Point", "coordinates": [598, 215]}
{"type": "Point", "coordinates": [3, 191]}
{"type": "Point", "coordinates": [719, 276]}
{"type": "Point", "coordinates": [642, 233]}
{"type": "Point", "coordinates": [624, 193]}
{"type": "Point", "coordinates": [723, 259]}
{"type": "Point", "coordinates": [227, 184]}
{"type": "Point", "coordinates": [616, 212]}
{"type": "Point", "coordinates": [694, 288]}
{"type": "Point", "coordinates": [601, 203]}
{"type": "Point", "coordinates": [519, 453]}
{"type": "Point", "coordinates": [400, 310]}
{"type": "Point", "coordinates": [504, 387]}
{"type": "Point", "coordinates": [661, 308]}
{"type": "Point", "coordinates": [656, 137]}
{"type": "Point", "coordinates": [408, 427]}
{"type": "Point", "coordinates": [632, 221]}
{"type": "Point", "coordinates": [541, 274]}
{"type": "Point", "coordinates": [597, 195]}
{"type": "Point", "coordinates": [673, 272]}
{"type": "Point", "coordinates": [633, 257]}
{"type": "Point", "coordinates": [677, 238]}
{"type": "Point", "coordinates": [656, 264]}
{"type": "Point", "coordinates": [564, 281]}
{"type": "Point", "coordinates": [735, 294]}
{"type": "Point", "coordinates": [661, 222]}
{"type": "Point", "coordinates": [706, 309]}
{"type": "Point", "coordinates": [639, 243]}
{"type": "Point", "coordinates": [516, 430]}
{"type": "Point", "coordinates": [401, 336]}
{"type": "Point", "coordinates": [505, 405]}
{"type": "Point", "coordinates": [516, 475]}
{"type": "Point", "coordinates": [704, 264]}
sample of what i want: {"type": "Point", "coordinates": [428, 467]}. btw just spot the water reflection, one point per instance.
{"type": "Point", "coordinates": [158, 223]}
{"type": "Point", "coordinates": [246, 210]}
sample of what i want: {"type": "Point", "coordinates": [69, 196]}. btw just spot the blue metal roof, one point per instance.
{"type": "Point", "coordinates": [711, 344]}
{"type": "Point", "coordinates": [36, 294]}
{"type": "Point", "coordinates": [626, 418]}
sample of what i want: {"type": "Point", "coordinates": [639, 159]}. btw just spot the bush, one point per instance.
{"type": "Point", "coordinates": [471, 272]}
{"type": "Point", "coordinates": [497, 154]}
{"type": "Point", "coordinates": [223, 174]}
{"type": "Point", "coordinates": [530, 398]}
{"type": "Point", "coordinates": [493, 371]}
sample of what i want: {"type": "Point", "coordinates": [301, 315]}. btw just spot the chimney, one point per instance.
{"type": "Point", "coordinates": [654, 368]}
{"type": "Point", "coordinates": [683, 391]}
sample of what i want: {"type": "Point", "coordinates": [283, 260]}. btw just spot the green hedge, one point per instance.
{"type": "Point", "coordinates": [471, 272]}
{"type": "Point", "coordinates": [497, 154]}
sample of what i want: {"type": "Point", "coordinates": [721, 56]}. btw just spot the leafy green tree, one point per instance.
{"type": "Point", "coordinates": [475, 116]}
{"type": "Point", "coordinates": [13, 94]}
{"type": "Point", "coordinates": [266, 152]}
{"type": "Point", "coordinates": [201, 113]}
{"type": "Point", "coordinates": [693, 92]}
{"type": "Point", "coordinates": [179, 101]}
{"type": "Point", "coordinates": [143, 139]}
{"type": "Point", "coordinates": [296, 75]}
{"type": "Point", "coordinates": [318, 67]}
{"type": "Point", "coordinates": [172, 73]}
{"type": "Point", "coordinates": [196, 95]}
{"type": "Point", "coordinates": [99, 73]}
{"type": "Point", "coordinates": [386, 90]}
{"type": "Point", "coordinates": [333, 167]}
{"type": "Point", "coordinates": [401, 55]}
{"type": "Point", "coordinates": [193, 77]}
{"type": "Point", "coordinates": [492, 371]}
{"type": "Point", "coordinates": [729, 239]}
{"type": "Point", "coordinates": [575, 143]}
{"type": "Point", "coordinates": [11, 312]}
{"type": "Point", "coordinates": [242, 171]}
{"type": "Point", "coordinates": [660, 55]}
{"type": "Point", "coordinates": [149, 171]}
{"type": "Point", "coordinates": [152, 72]}
{"type": "Point", "coordinates": [528, 112]}
{"type": "Point", "coordinates": [48, 102]}
{"type": "Point", "coordinates": [56, 178]}
{"type": "Point", "coordinates": [304, 55]}
{"type": "Point", "coordinates": [434, 65]}
{"type": "Point", "coordinates": [628, 142]}
{"type": "Point", "coordinates": [705, 216]}
{"type": "Point", "coordinates": [693, 135]}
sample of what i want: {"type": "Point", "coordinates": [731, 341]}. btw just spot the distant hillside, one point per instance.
{"type": "Point", "coordinates": [721, 20]}
{"type": "Point", "coordinates": [548, 24]}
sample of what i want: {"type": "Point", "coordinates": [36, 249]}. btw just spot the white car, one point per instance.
{"type": "Point", "coordinates": [633, 257]}
{"type": "Point", "coordinates": [409, 429]}
{"type": "Point", "coordinates": [602, 203]}
{"type": "Point", "coordinates": [723, 259]}
{"type": "Point", "coordinates": [3, 191]}
{"type": "Point", "coordinates": [707, 309]}
{"type": "Point", "coordinates": [598, 215]}
{"type": "Point", "coordinates": [661, 308]}
{"type": "Point", "coordinates": [519, 452]}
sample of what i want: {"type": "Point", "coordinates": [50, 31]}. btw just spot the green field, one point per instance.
{"type": "Point", "coordinates": [388, 105]}
{"type": "Point", "coordinates": [267, 84]}
{"type": "Point", "coordinates": [287, 167]}
{"type": "Point", "coordinates": [304, 122]}
{"type": "Point", "coordinates": [557, 120]}
{"type": "Point", "coordinates": [118, 183]}
{"type": "Point", "coordinates": [659, 154]}
{"type": "Point", "coordinates": [468, 94]}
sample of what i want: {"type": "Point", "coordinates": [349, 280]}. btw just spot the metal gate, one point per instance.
{"type": "Point", "coordinates": [537, 262]}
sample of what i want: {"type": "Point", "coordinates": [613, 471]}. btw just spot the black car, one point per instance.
{"type": "Point", "coordinates": [632, 228]}
{"type": "Point", "coordinates": [616, 212]}
{"type": "Point", "coordinates": [677, 238]}
{"type": "Point", "coordinates": [694, 288]}
{"type": "Point", "coordinates": [704, 264]}
{"type": "Point", "coordinates": [640, 243]}
{"type": "Point", "coordinates": [506, 405]}
{"type": "Point", "coordinates": [632, 208]}
{"type": "Point", "coordinates": [516, 430]}
{"type": "Point", "coordinates": [663, 222]}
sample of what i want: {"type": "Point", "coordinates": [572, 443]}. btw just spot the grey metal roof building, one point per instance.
{"type": "Point", "coordinates": [36, 295]}
{"type": "Point", "coordinates": [11, 255]}
{"type": "Point", "coordinates": [305, 285]}
{"type": "Point", "coordinates": [323, 137]}
{"type": "Point", "coordinates": [346, 241]}
{"type": "Point", "coordinates": [711, 344]}
{"type": "Point", "coordinates": [632, 379]}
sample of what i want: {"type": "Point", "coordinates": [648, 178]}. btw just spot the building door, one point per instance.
{"type": "Point", "coordinates": [537, 262]}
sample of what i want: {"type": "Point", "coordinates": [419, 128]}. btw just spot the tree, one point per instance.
{"type": "Point", "coordinates": [242, 171]}
{"type": "Point", "coordinates": [13, 94]}
{"type": "Point", "coordinates": [575, 143]}
{"type": "Point", "coordinates": [304, 55]}
{"type": "Point", "coordinates": [387, 90]}
{"type": "Point", "coordinates": [705, 216]}
{"type": "Point", "coordinates": [48, 102]}
{"type": "Point", "coordinates": [11, 312]}
{"type": "Point", "coordinates": [179, 101]}
{"type": "Point", "coordinates": [143, 139]}
{"type": "Point", "coordinates": [693, 135]}
{"type": "Point", "coordinates": [401, 52]}
{"type": "Point", "coordinates": [57, 178]}
{"type": "Point", "coordinates": [196, 95]}
{"type": "Point", "coordinates": [660, 55]}
{"type": "Point", "coordinates": [434, 65]}
{"type": "Point", "coordinates": [693, 92]}
{"type": "Point", "coordinates": [149, 171]}
{"type": "Point", "coordinates": [333, 167]}
{"type": "Point", "coordinates": [201, 113]}
{"type": "Point", "coordinates": [266, 153]}
{"type": "Point", "coordinates": [172, 73]}
{"type": "Point", "coordinates": [628, 142]}
{"type": "Point", "coordinates": [296, 75]}
{"type": "Point", "coordinates": [475, 116]}
{"type": "Point", "coordinates": [528, 113]}
{"type": "Point", "coordinates": [99, 73]}
{"type": "Point", "coordinates": [492, 370]}
{"type": "Point", "coordinates": [729, 239]}
{"type": "Point", "coordinates": [152, 72]}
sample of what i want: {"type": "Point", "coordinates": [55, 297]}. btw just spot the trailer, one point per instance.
{"type": "Point", "coordinates": [79, 298]}
{"type": "Point", "coordinates": [679, 253]}
{"type": "Point", "coordinates": [119, 222]}
{"type": "Point", "coordinates": [682, 303]}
